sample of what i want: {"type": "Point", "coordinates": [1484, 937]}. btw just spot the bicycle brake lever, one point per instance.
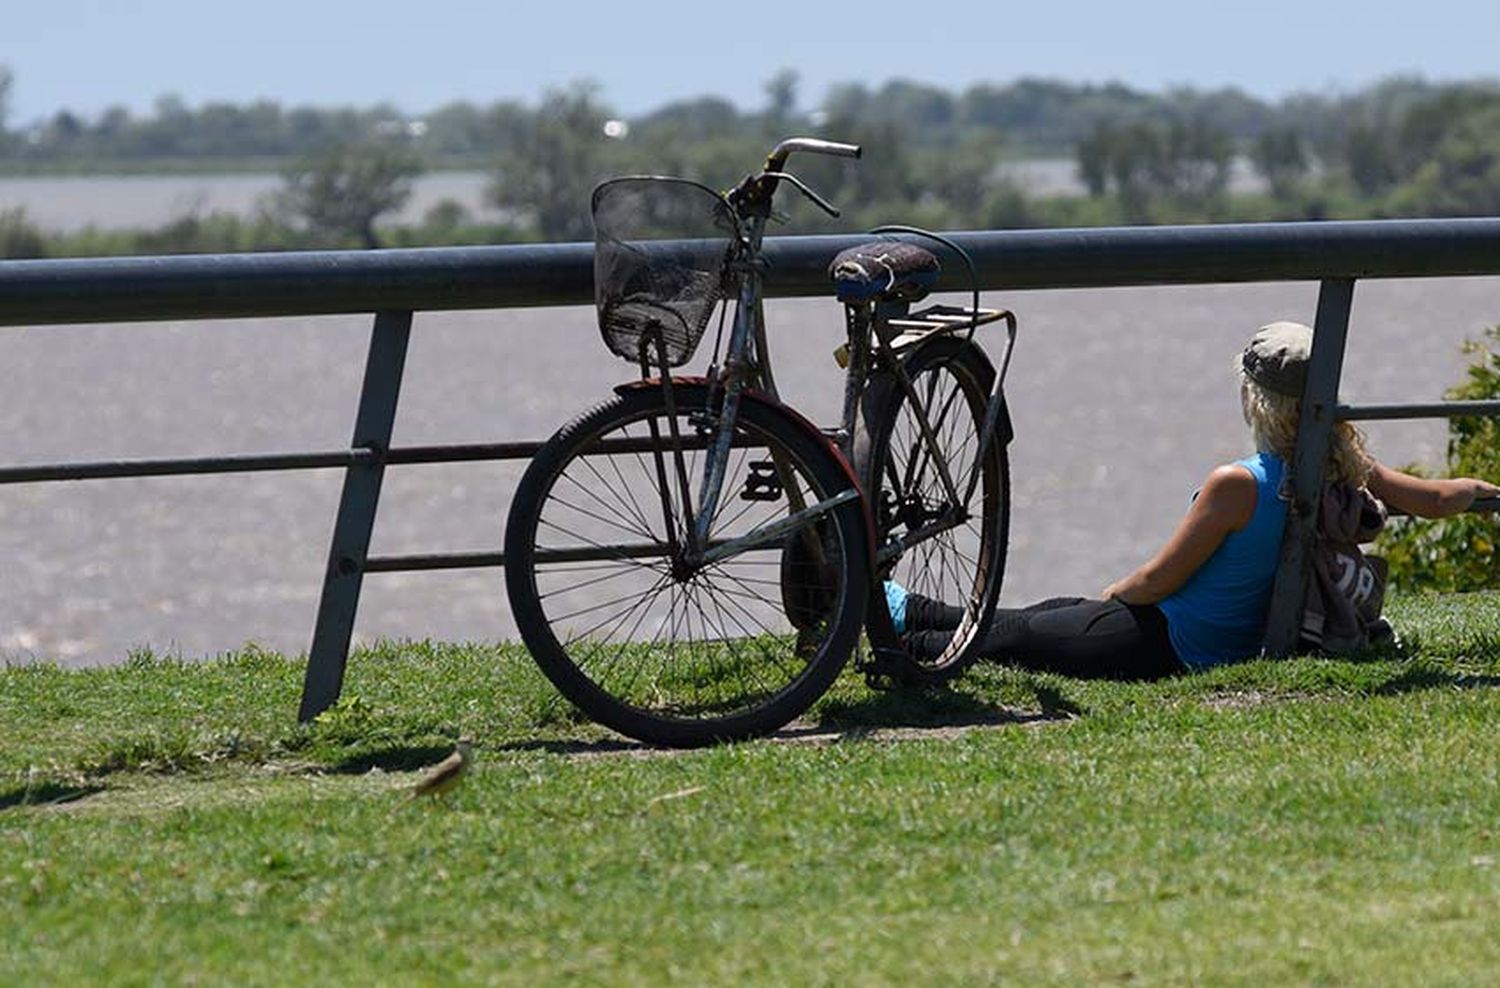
{"type": "Point", "coordinates": [801, 186]}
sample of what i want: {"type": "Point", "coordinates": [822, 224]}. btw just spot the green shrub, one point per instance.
{"type": "Point", "coordinates": [1456, 553]}
{"type": "Point", "coordinates": [19, 237]}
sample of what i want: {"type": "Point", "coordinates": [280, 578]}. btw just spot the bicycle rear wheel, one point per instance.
{"type": "Point", "coordinates": [642, 638]}
{"type": "Point", "coordinates": [960, 568]}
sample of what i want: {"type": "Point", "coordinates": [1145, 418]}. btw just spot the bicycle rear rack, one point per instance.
{"type": "Point", "coordinates": [915, 327]}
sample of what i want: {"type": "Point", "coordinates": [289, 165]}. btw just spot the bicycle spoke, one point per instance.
{"type": "Point", "coordinates": [568, 568]}
{"type": "Point", "coordinates": [570, 588]}
{"type": "Point", "coordinates": [952, 545]}
{"type": "Point", "coordinates": [734, 599]}
{"type": "Point", "coordinates": [644, 533]}
{"type": "Point", "coordinates": [760, 581]}
{"type": "Point", "coordinates": [641, 601]}
{"type": "Point", "coordinates": [738, 668]}
{"type": "Point", "coordinates": [766, 632]}
{"type": "Point", "coordinates": [627, 487]}
{"type": "Point", "coordinates": [595, 607]}
{"type": "Point", "coordinates": [705, 646]}
{"type": "Point", "coordinates": [613, 552]}
{"type": "Point", "coordinates": [626, 645]}
{"type": "Point", "coordinates": [732, 469]}
{"type": "Point", "coordinates": [646, 601]}
{"type": "Point", "coordinates": [629, 510]}
{"type": "Point", "coordinates": [729, 523]}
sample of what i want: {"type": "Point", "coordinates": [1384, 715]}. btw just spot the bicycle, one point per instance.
{"type": "Point", "coordinates": [692, 561]}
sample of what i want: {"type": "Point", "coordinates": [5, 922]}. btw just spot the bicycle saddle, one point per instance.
{"type": "Point", "coordinates": [887, 270]}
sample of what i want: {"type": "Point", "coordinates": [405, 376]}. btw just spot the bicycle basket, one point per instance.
{"type": "Point", "coordinates": [661, 263]}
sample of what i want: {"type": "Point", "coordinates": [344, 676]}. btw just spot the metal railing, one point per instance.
{"type": "Point", "coordinates": [393, 284]}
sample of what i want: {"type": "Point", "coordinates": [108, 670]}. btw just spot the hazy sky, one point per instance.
{"type": "Point", "coordinates": [86, 56]}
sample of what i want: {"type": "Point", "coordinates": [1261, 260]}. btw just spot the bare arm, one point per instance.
{"type": "Point", "coordinates": [1425, 496]}
{"type": "Point", "coordinates": [1224, 505]}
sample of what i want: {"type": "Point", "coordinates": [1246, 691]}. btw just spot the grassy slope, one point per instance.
{"type": "Point", "coordinates": [1312, 821]}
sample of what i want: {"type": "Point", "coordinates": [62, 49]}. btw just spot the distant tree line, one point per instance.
{"type": "Point", "coordinates": [1404, 147]}
{"type": "Point", "coordinates": [1033, 116]}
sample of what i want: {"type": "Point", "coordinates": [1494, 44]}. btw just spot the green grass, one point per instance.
{"type": "Point", "coordinates": [1312, 822]}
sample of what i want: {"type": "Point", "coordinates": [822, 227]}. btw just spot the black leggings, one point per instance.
{"type": "Point", "coordinates": [1074, 636]}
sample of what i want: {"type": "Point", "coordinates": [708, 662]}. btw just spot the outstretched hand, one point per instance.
{"type": "Point", "coordinates": [1482, 490]}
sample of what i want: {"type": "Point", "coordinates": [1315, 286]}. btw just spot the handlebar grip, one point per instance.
{"type": "Point", "coordinates": [829, 147]}
{"type": "Point", "coordinates": [812, 145]}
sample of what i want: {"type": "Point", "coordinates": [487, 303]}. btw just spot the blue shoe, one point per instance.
{"type": "Point", "coordinates": [895, 602]}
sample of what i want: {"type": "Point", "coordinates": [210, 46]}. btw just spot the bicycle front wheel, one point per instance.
{"type": "Point", "coordinates": [949, 554]}
{"type": "Point", "coordinates": [639, 634]}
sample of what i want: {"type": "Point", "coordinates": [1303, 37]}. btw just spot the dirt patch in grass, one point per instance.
{"type": "Point", "coordinates": [1245, 699]}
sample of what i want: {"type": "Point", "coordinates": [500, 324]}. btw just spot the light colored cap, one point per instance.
{"type": "Point", "coordinates": [1276, 358]}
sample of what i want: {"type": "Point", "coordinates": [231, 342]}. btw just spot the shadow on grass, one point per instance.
{"type": "Point", "coordinates": [45, 794]}
{"type": "Point", "coordinates": [904, 713]}
{"type": "Point", "coordinates": [601, 746]}
{"type": "Point", "coordinates": [1055, 706]}
{"type": "Point", "coordinates": [1416, 680]}
{"type": "Point", "coordinates": [939, 707]}
{"type": "Point", "coordinates": [395, 758]}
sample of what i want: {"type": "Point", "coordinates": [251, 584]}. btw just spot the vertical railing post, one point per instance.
{"type": "Point", "coordinates": [1314, 431]}
{"type": "Point", "coordinates": [356, 518]}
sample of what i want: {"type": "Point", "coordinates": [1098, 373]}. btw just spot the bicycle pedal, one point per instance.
{"type": "Point", "coordinates": [763, 482]}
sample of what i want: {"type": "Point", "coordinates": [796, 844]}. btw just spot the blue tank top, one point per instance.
{"type": "Point", "coordinates": [1219, 614]}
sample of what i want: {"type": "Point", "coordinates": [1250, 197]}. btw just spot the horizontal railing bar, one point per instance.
{"type": "Point", "coordinates": [297, 283]}
{"type": "Point", "coordinates": [526, 450]}
{"type": "Point", "coordinates": [42, 472]}
{"type": "Point", "coordinates": [517, 450]}
{"type": "Point", "coordinates": [1418, 410]}
{"type": "Point", "coordinates": [475, 560]}
{"type": "Point", "coordinates": [431, 561]}
{"type": "Point", "coordinates": [463, 452]}
{"type": "Point", "coordinates": [246, 463]}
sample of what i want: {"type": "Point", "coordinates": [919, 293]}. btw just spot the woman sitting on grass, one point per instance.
{"type": "Point", "coordinates": [1202, 600]}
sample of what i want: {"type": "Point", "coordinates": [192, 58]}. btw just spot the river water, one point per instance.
{"type": "Point", "coordinates": [69, 203]}
{"type": "Point", "coordinates": [1122, 398]}
{"type": "Point", "coordinates": [73, 202]}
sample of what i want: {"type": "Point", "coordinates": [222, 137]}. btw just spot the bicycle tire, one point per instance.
{"type": "Point", "coordinates": [965, 565]}
{"type": "Point", "coordinates": [683, 658]}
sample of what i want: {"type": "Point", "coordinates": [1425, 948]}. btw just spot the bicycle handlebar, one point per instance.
{"type": "Point", "coordinates": [812, 145]}
{"type": "Point", "coordinates": [752, 197]}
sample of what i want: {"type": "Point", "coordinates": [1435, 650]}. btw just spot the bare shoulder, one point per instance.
{"type": "Point", "coordinates": [1229, 493]}
{"type": "Point", "coordinates": [1231, 476]}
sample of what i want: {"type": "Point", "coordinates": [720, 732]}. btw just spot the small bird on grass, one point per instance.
{"type": "Point", "coordinates": [446, 773]}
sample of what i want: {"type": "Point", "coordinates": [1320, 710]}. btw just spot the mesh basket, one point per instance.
{"type": "Point", "coordinates": [661, 253]}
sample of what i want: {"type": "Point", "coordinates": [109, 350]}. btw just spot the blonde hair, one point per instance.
{"type": "Point", "coordinates": [1273, 420]}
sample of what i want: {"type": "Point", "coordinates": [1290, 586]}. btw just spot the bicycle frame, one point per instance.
{"type": "Point", "coordinates": [745, 364]}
